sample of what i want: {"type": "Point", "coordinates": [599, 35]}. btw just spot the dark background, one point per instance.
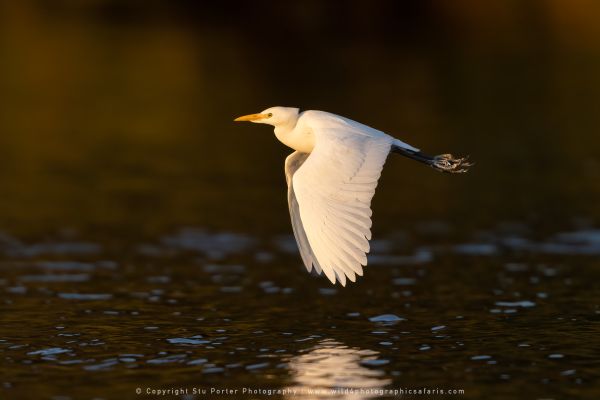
{"type": "Point", "coordinates": [118, 114]}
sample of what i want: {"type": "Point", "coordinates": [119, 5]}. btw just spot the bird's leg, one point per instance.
{"type": "Point", "coordinates": [443, 162]}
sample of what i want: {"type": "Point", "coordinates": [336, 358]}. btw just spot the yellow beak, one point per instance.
{"type": "Point", "coordinates": [251, 117]}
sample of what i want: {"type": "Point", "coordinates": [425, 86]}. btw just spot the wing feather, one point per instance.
{"type": "Point", "coordinates": [330, 193]}
{"type": "Point", "coordinates": [292, 163]}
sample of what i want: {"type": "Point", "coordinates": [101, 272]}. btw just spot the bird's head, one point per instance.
{"type": "Point", "coordinates": [273, 116]}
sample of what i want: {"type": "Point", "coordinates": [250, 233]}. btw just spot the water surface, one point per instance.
{"type": "Point", "coordinates": [200, 309]}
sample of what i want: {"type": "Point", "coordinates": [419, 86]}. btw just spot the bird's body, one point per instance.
{"type": "Point", "coordinates": [331, 180]}
{"type": "Point", "coordinates": [300, 135]}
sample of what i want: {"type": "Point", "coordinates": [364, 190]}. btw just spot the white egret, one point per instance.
{"type": "Point", "coordinates": [331, 178]}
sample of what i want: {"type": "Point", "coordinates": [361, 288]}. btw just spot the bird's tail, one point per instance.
{"type": "Point", "coordinates": [443, 162]}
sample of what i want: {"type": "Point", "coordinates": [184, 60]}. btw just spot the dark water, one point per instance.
{"type": "Point", "coordinates": [499, 316]}
{"type": "Point", "coordinates": [145, 241]}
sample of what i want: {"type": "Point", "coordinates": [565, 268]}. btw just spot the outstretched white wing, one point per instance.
{"type": "Point", "coordinates": [292, 163]}
{"type": "Point", "coordinates": [330, 192]}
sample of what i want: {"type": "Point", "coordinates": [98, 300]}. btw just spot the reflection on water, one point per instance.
{"type": "Point", "coordinates": [332, 365]}
{"type": "Point", "coordinates": [194, 313]}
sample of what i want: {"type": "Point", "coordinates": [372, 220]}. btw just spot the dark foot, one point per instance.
{"type": "Point", "coordinates": [447, 163]}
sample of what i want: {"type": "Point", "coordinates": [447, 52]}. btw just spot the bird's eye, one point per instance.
{"type": "Point", "coordinates": [269, 115]}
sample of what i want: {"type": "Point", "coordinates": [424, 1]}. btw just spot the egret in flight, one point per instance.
{"type": "Point", "coordinates": [331, 178]}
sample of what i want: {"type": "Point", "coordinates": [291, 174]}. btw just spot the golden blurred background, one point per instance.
{"type": "Point", "coordinates": [118, 114]}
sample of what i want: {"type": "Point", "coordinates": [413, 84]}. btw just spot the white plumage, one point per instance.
{"type": "Point", "coordinates": [331, 180]}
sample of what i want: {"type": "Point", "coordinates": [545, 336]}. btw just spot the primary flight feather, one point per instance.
{"type": "Point", "coordinates": [331, 178]}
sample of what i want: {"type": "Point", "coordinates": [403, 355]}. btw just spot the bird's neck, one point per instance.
{"type": "Point", "coordinates": [296, 137]}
